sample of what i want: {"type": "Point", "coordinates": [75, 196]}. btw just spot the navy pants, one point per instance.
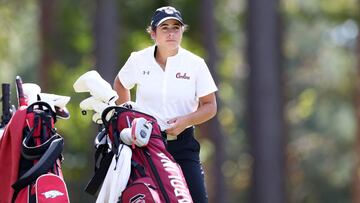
{"type": "Point", "coordinates": [186, 150]}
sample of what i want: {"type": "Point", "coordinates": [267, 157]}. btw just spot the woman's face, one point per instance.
{"type": "Point", "coordinates": [168, 34]}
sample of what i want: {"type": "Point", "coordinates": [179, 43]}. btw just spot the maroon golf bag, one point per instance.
{"type": "Point", "coordinates": [155, 176]}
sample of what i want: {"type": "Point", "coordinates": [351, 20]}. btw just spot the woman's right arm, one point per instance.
{"type": "Point", "coordinates": [124, 94]}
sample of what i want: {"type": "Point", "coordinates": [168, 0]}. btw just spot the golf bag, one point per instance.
{"type": "Point", "coordinates": [155, 176]}
{"type": "Point", "coordinates": [40, 176]}
{"type": "Point", "coordinates": [30, 154]}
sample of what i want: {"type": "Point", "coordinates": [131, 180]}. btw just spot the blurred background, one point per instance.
{"type": "Point", "coordinates": [287, 72]}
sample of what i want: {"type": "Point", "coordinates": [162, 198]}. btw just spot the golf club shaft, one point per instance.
{"type": "Point", "coordinates": [20, 93]}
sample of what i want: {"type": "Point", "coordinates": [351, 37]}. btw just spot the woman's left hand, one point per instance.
{"type": "Point", "coordinates": [206, 110]}
{"type": "Point", "coordinates": [178, 125]}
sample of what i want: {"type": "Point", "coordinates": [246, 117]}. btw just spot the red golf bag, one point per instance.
{"type": "Point", "coordinates": [155, 176]}
{"type": "Point", "coordinates": [30, 154]}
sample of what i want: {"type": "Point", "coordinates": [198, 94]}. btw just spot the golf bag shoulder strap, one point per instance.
{"type": "Point", "coordinates": [93, 186]}
{"type": "Point", "coordinates": [41, 167]}
{"type": "Point", "coordinates": [103, 158]}
{"type": "Point", "coordinates": [137, 167]}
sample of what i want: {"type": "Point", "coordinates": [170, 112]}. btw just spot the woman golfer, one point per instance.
{"type": "Point", "coordinates": [176, 87]}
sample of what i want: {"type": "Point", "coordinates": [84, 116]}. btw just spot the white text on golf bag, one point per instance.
{"type": "Point", "coordinates": [176, 179]}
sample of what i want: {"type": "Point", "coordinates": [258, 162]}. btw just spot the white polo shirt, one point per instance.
{"type": "Point", "coordinates": [169, 93]}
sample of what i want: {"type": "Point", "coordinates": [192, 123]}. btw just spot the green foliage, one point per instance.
{"type": "Point", "coordinates": [321, 74]}
{"type": "Point", "coordinates": [308, 10]}
{"type": "Point", "coordinates": [18, 35]}
{"type": "Point", "coordinates": [74, 26]}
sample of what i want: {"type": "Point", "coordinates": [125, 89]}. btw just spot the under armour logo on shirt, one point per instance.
{"type": "Point", "coordinates": [146, 72]}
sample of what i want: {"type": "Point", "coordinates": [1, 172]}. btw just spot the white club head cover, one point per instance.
{"type": "Point", "coordinates": [98, 106]}
{"type": "Point", "coordinates": [93, 103]}
{"type": "Point", "coordinates": [109, 114]}
{"type": "Point", "coordinates": [31, 90]}
{"type": "Point", "coordinates": [87, 104]}
{"type": "Point", "coordinates": [57, 102]}
{"type": "Point", "coordinates": [117, 177]}
{"type": "Point", "coordinates": [96, 118]}
{"type": "Point", "coordinates": [92, 82]}
{"type": "Point", "coordinates": [139, 133]}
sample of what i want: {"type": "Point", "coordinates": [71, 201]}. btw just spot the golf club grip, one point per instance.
{"type": "Point", "coordinates": [6, 114]}
{"type": "Point", "coordinates": [5, 98]}
{"type": "Point", "coordinates": [20, 92]}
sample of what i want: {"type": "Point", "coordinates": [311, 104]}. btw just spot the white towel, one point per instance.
{"type": "Point", "coordinates": [117, 177]}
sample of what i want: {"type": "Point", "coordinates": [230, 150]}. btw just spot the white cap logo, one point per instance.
{"type": "Point", "coordinates": [169, 10]}
{"type": "Point", "coordinates": [52, 194]}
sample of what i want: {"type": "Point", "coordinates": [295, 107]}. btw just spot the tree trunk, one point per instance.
{"type": "Point", "coordinates": [106, 35]}
{"type": "Point", "coordinates": [212, 128]}
{"type": "Point", "coordinates": [265, 114]}
{"type": "Point", "coordinates": [47, 8]}
{"type": "Point", "coordinates": [356, 184]}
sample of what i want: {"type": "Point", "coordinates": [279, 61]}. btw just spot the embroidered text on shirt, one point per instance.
{"type": "Point", "coordinates": [184, 76]}
{"type": "Point", "coordinates": [146, 72]}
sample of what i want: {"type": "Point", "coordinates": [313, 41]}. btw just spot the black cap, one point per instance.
{"type": "Point", "coordinates": [165, 13]}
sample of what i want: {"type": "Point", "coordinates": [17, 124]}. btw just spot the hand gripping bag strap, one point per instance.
{"type": "Point", "coordinates": [41, 167]}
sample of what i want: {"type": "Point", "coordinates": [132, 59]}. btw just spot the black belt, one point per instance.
{"type": "Point", "coordinates": [184, 134]}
